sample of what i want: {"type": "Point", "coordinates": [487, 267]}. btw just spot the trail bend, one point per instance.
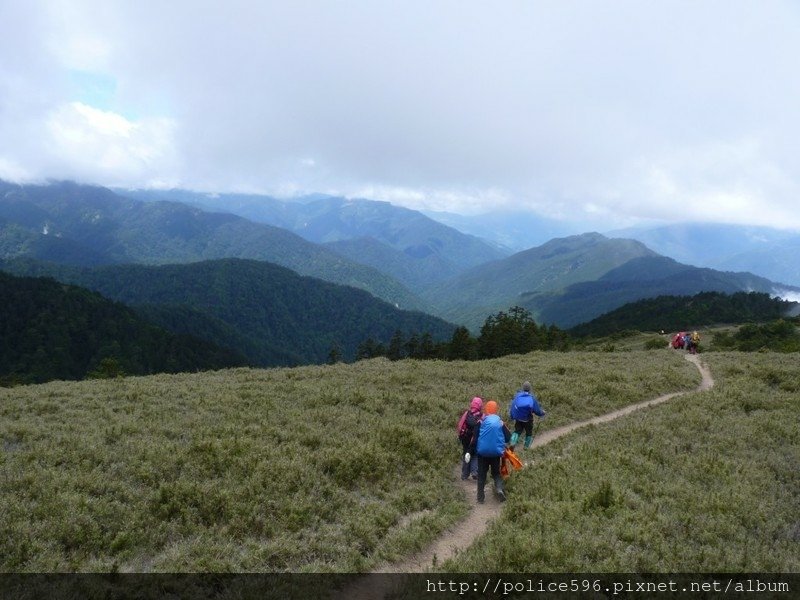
{"type": "Point", "coordinates": [480, 516]}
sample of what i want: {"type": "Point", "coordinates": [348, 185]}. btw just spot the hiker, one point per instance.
{"type": "Point", "coordinates": [523, 407]}
{"type": "Point", "coordinates": [694, 341]}
{"type": "Point", "coordinates": [687, 340]}
{"type": "Point", "coordinates": [677, 341]}
{"type": "Point", "coordinates": [466, 428]}
{"type": "Point", "coordinates": [489, 442]}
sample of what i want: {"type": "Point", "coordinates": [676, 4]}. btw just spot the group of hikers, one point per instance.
{"type": "Point", "coordinates": [686, 341]}
{"type": "Point", "coordinates": [485, 437]}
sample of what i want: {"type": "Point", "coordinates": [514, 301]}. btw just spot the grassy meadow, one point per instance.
{"type": "Point", "coordinates": [338, 468]}
{"type": "Point", "coordinates": [706, 482]}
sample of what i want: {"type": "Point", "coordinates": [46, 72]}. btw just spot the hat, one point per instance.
{"type": "Point", "coordinates": [526, 387]}
{"type": "Point", "coordinates": [490, 408]}
{"type": "Point", "coordinates": [476, 403]}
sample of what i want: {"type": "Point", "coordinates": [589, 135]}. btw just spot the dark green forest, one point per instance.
{"type": "Point", "coordinates": [675, 313]}
{"type": "Point", "coordinates": [268, 313]}
{"type": "Point", "coordinates": [49, 330]}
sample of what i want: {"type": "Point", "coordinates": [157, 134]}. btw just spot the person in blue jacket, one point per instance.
{"type": "Point", "coordinates": [523, 407]}
{"type": "Point", "coordinates": [489, 442]}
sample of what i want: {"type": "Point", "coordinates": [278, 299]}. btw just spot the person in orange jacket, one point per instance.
{"type": "Point", "coordinates": [489, 442]}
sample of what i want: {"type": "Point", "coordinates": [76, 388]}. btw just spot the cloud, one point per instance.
{"type": "Point", "coordinates": [672, 111]}
{"type": "Point", "coordinates": [85, 140]}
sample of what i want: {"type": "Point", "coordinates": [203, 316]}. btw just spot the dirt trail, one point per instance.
{"type": "Point", "coordinates": [477, 521]}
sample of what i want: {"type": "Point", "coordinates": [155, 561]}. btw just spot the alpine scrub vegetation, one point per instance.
{"type": "Point", "coordinates": [707, 482]}
{"type": "Point", "coordinates": [324, 469]}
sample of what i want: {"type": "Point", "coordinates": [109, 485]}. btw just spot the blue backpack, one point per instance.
{"type": "Point", "coordinates": [522, 406]}
{"type": "Point", "coordinates": [491, 441]}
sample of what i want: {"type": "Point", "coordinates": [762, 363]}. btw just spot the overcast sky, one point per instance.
{"type": "Point", "coordinates": [614, 111]}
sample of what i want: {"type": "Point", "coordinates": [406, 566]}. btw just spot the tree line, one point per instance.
{"type": "Point", "coordinates": [507, 332]}
{"type": "Point", "coordinates": [781, 335]}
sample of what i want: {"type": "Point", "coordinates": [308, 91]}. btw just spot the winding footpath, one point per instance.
{"type": "Point", "coordinates": [480, 516]}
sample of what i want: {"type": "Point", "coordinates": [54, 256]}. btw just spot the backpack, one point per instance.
{"type": "Point", "coordinates": [491, 441]}
{"type": "Point", "coordinates": [522, 410]}
{"type": "Point", "coordinates": [461, 428]}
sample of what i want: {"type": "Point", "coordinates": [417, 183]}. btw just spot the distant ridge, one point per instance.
{"type": "Point", "coordinates": [545, 269]}
{"type": "Point", "coordinates": [572, 280]}
{"type": "Point", "coordinates": [645, 277]}
{"type": "Point", "coordinates": [92, 225]}
{"type": "Point", "coordinates": [764, 251]}
{"type": "Point", "coordinates": [422, 250]}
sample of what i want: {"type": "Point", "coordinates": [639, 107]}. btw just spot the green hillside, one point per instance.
{"type": "Point", "coordinates": [53, 331]}
{"type": "Point", "coordinates": [339, 468]}
{"type": "Point", "coordinates": [268, 313]}
{"type": "Point", "coordinates": [329, 468]}
{"type": "Point", "coordinates": [102, 226]}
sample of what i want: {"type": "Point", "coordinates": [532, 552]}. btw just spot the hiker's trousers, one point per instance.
{"type": "Point", "coordinates": [526, 425]}
{"type": "Point", "coordinates": [484, 464]}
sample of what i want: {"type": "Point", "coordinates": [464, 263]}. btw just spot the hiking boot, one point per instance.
{"type": "Point", "coordinates": [481, 500]}
{"type": "Point", "coordinates": [474, 475]}
{"type": "Point", "coordinates": [501, 495]}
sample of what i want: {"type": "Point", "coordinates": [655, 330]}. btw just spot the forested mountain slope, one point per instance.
{"type": "Point", "coordinates": [49, 330]}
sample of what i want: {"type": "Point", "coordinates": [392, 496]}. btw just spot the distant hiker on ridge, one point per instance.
{"type": "Point", "coordinates": [466, 428]}
{"type": "Point", "coordinates": [489, 442]}
{"type": "Point", "coordinates": [694, 342]}
{"type": "Point", "coordinates": [523, 407]}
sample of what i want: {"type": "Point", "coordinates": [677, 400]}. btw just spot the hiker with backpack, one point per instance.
{"type": "Point", "coordinates": [523, 407]}
{"type": "Point", "coordinates": [694, 341]}
{"type": "Point", "coordinates": [489, 442]}
{"type": "Point", "coordinates": [466, 428]}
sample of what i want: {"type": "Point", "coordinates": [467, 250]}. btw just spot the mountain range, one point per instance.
{"type": "Point", "coordinates": [411, 247]}
{"type": "Point", "coordinates": [397, 255]}
{"type": "Point", "coordinates": [768, 252]}
{"type": "Point", "coordinates": [89, 225]}
{"type": "Point", "coordinates": [575, 279]}
{"type": "Point", "coordinates": [644, 277]}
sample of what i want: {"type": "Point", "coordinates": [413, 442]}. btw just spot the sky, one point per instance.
{"type": "Point", "coordinates": [611, 112]}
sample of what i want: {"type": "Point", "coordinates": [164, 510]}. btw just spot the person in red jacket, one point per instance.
{"type": "Point", "coordinates": [489, 442]}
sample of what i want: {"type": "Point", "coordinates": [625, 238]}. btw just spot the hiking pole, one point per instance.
{"type": "Point", "coordinates": [533, 435]}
